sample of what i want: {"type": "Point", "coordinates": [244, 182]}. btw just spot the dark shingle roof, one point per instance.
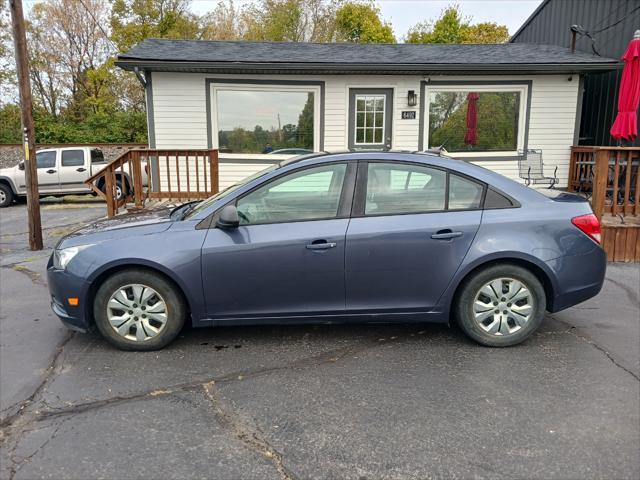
{"type": "Point", "coordinates": [191, 55]}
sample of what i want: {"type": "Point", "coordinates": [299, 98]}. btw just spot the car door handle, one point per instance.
{"type": "Point", "coordinates": [321, 245]}
{"type": "Point", "coordinates": [81, 169]}
{"type": "Point", "coordinates": [445, 235]}
{"type": "Point", "coordinates": [51, 171]}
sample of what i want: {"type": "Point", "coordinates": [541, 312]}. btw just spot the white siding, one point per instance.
{"type": "Point", "coordinates": [179, 102]}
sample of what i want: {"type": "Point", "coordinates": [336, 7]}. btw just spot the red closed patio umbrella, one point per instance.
{"type": "Point", "coordinates": [471, 137]}
{"type": "Point", "coordinates": [626, 123]}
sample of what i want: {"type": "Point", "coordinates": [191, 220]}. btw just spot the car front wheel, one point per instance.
{"type": "Point", "coordinates": [500, 306]}
{"type": "Point", "coordinates": [139, 310]}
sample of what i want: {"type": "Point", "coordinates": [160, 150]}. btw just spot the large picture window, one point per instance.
{"type": "Point", "coordinates": [266, 119]}
{"type": "Point", "coordinates": [476, 120]}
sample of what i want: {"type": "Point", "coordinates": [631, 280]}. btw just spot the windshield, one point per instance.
{"type": "Point", "coordinates": [206, 203]}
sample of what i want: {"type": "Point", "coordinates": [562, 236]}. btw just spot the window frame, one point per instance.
{"type": "Point", "coordinates": [345, 202]}
{"type": "Point", "coordinates": [360, 194]}
{"type": "Point", "coordinates": [524, 108]}
{"type": "Point", "coordinates": [216, 87]}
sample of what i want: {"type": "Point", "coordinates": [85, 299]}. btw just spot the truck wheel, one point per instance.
{"type": "Point", "coordinates": [6, 195]}
{"type": "Point", "coordinates": [119, 189]}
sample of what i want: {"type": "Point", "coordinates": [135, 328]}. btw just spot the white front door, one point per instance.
{"type": "Point", "coordinates": [48, 179]}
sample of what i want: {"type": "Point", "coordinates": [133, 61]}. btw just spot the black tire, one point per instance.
{"type": "Point", "coordinates": [176, 309]}
{"type": "Point", "coordinates": [6, 195]}
{"type": "Point", "coordinates": [119, 187]}
{"type": "Point", "coordinates": [463, 305]}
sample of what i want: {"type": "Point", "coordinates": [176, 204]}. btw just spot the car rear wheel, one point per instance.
{"type": "Point", "coordinates": [6, 195]}
{"type": "Point", "coordinates": [500, 306]}
{"type": "Point", "coordinates": [139, 310]}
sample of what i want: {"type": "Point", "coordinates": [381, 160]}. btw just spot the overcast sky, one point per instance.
{"type": "Point", "coordinates": [404, 13]}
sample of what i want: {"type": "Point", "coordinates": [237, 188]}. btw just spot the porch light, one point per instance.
{"type": "Point", "coordinates": [412, 98]}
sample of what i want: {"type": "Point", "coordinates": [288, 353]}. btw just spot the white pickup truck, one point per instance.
{"type": "Point", "coordinates": [61, 171]}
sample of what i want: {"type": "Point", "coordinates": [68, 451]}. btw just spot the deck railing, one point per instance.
{"type": "Point", "coordinates": [143, 174]}
{"type": "Point", "coordinates": [610, 176]}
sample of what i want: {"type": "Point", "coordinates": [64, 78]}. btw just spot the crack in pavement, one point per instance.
{"type": "Point", "coordinates": [331, 356]}
{"type": "Point", "coordinates": [34, 276]}
{"type": "Point", "coordinates": [252, 437]}
{"type": "Point", "coordinates": [16, 464]}
{"type": "Point", "coordinates": [14, 427]}
{"type": "Point", "coordinates": [627, 289]}
{"type": "Point", "coordinates": [12, 421]}
{"type": "Point", "coordinates": [572, 330]}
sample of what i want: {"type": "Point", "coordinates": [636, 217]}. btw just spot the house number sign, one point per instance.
{"type": "Point", "coordinates": [409, 115]}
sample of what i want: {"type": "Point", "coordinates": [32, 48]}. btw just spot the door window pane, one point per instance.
{"type": "Point", "coordinates": [463, 193]}
{"type": "Point", "coordinates": [468, 121]}
{"type": "Point", "coordinates": [400, 188]}
{"type": "Point", "coordinates": [264, 121]}
{"type": "Point", "coordinates": [308, 194]}
{"type": "Point", "coordinates": [97, 155]}
{"type": "Point", "coordinates": [46, 159]}
{"type": "Point", "coordinates": [72, 158]}
{"type": "Point", "coordinates": [369, 127]}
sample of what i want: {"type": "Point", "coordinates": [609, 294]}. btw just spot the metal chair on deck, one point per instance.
{"type": "Point", "coordinates": [531, 168]}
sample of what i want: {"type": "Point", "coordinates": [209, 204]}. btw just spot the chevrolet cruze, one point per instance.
{"type": "Point", "coordinates": [349, 237]}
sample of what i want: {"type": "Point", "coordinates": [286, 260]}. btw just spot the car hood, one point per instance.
{"type": "Point", "coordinates": [8, 171]}
{"type": "Point", "coordinates": [134, 223]}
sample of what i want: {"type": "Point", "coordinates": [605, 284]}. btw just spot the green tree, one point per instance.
{"type": "Point", "coordinates": [135, 20]}
{"type": "Point", "coordinates": [360, 22]}
{"type": "Point", "coordinates": [452, 27]}
{"type": "Point", "coordinates": [10, 127]}
{"type": "Point", "coordinates": [289, 20]}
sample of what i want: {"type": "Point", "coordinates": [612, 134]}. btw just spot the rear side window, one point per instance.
{"type": "Point", "coordinates": [464, 194]}
{"type": "Point", "coordinates": [72, 158]}
{"type": "Point", "coordinates": [46, 159]}
{"type": "Point", "coordinates": [97, 156]}
{"type": "Point", "coordinates": [395, 188]}
{"type": "Point", "coordinates": [494, 199]}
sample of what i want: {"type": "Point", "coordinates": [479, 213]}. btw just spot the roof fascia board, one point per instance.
{"type": "Point", "coordinates": [237, 67]}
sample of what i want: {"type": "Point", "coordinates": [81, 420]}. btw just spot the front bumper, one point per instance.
{"type": "Point", "coordinates": [63, 285]}
{"type": "Point", "coordinates": [578, 278]}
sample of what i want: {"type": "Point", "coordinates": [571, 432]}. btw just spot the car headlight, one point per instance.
{"type": "Point", "coordinates": [62, 257]}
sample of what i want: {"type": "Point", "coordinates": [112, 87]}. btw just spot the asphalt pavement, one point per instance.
{"type": "Point", "coordinates": [297, 402]}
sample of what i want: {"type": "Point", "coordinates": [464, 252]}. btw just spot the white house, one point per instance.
{"type": "Point", "coordinates": [247, 99]}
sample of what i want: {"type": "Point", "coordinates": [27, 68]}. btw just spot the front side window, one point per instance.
{"type": "Point", "coordinates": [309, 194]}
{"type": "Point", "coordinates": [72, 158]}
{"type": "Point", "coordinates": [474, 120]}
{"type": "Point", "coordinates": [401, 188]}
{"type": "Point", "coordinates": [46, 159]}
{"type": "Point", "coordinates": [265, 120]}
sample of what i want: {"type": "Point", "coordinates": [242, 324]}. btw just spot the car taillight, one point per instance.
{"type": "Point", "coordinates": [589, 225]}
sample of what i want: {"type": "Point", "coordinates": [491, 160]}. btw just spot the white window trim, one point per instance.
{"type": "Point", "coordinates": [384, 119]}
{"type": "Point", "coordinates": [215, 88]}
{"type": "Point", "coordinates": [522, 89]}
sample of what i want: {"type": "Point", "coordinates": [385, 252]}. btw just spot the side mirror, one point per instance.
{"type": "Point", "coordinates": [21, 165]}
{"type": "Point", "coordinates": [228, 218]}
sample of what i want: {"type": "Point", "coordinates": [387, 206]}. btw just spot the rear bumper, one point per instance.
{"type": "Point", "coordinates": [63, 285]}
{"type": "Point", "coordinates": [578, 278]}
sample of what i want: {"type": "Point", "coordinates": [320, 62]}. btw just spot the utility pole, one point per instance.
{"type": "Point", "coordinates": [28, 131]}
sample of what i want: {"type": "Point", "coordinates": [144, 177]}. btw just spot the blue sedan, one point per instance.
{"type": "Point", "coordinates": [348, 237]}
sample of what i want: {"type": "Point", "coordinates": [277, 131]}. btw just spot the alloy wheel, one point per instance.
{"type": "Point", "coordinates": [3, 197]}
{"type": "Point", "coordinates": [137, 312]}
{"type": "Point", "coordinates": [503, 306]}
